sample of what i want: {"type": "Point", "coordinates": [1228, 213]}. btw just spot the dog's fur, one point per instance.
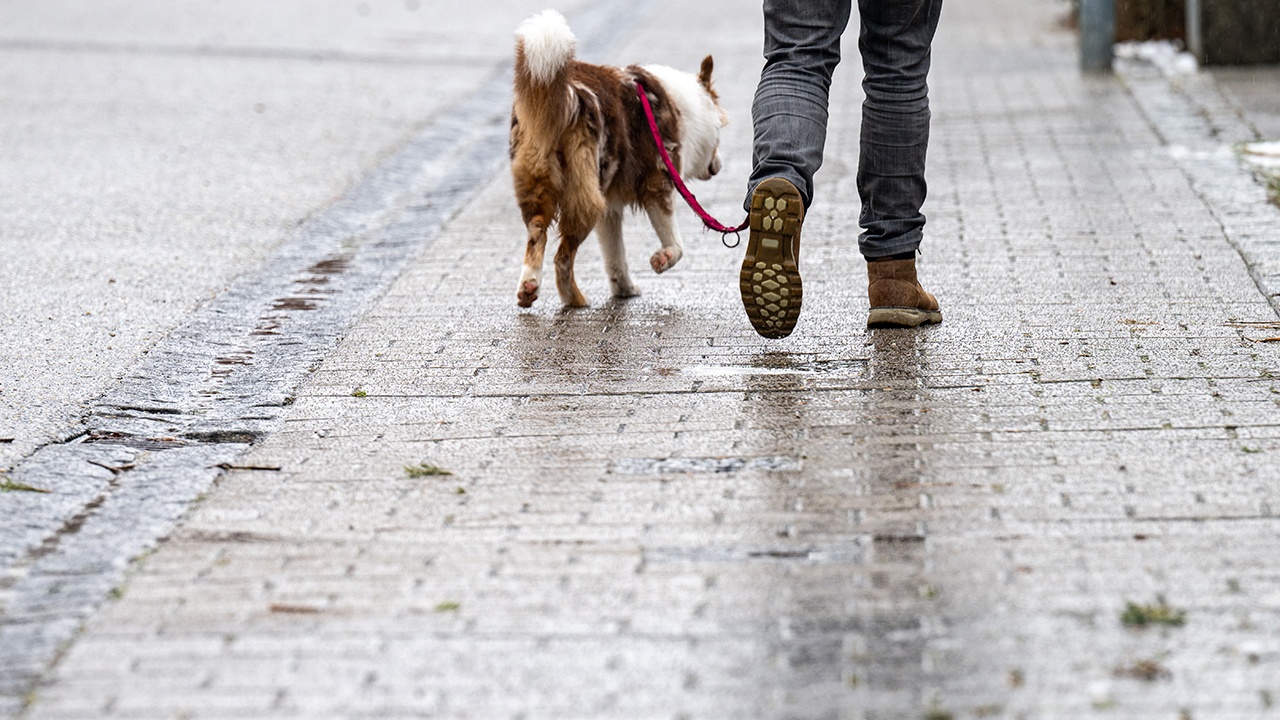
{"type": "Point", "coordinates": [582, 151]}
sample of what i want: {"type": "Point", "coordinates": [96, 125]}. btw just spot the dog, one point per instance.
{"type": "Point", "coordinates": [582, 152]}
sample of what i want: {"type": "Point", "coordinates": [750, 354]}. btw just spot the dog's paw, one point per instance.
{"type": "Point", "coordinates": [664, 259]}
{"type": "Point", "coordinates": [527, 293]}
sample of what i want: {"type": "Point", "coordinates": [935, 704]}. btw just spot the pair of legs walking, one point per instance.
{"type": "Point", "coordinates": [802, 49]}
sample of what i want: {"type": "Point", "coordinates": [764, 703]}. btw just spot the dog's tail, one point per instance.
{"type": "Point", "coordinates": [544, 49]}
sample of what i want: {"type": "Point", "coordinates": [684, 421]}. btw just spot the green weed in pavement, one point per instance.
{"type": "Point", "coordinates": [7, 485]}
{"type": "Point", "coordinates": [1157, 613]}
{"type": "Point", "coordinates": [424, 470]}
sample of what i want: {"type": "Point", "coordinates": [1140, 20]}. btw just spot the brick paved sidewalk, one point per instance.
{"type": "Point", "coordinates": [653, 513]}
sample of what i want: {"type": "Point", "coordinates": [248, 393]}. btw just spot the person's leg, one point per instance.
{"type": "Point", "coordinates": [895, 43]}
{"type": "Point", "coordinates": [801, 50]}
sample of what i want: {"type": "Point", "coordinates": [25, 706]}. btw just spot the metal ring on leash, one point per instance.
{"type": "Point", "coordinates": [737, 238]}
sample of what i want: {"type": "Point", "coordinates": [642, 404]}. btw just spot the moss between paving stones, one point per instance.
{"type": "Point", "coordinates": [7, 485]}
{"type": "Point", "coordinates": [424, 470]}
{"type": "Point", "coordinates": [1157, 613]}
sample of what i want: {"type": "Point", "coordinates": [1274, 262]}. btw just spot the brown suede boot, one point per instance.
{"type": "Point", "coordinates": [770, 277]}
{"type": "Point", "coordinates": [897, 300]}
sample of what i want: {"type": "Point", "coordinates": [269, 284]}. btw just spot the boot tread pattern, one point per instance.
{"type": "Point", "coordinates": [770, 280]}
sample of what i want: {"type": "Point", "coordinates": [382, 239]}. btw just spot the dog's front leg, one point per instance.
{"type": "Point", "coordinates": [609, 231]}
{"type": "Point", "coordinates": [672, 249]}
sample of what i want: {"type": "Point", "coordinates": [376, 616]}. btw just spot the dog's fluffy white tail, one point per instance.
{"type": "Point", "coordinates": [543, 104]}
{"type": "Point", "coordinates": [544, 46]}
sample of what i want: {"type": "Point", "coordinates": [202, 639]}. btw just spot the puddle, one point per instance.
{"type": "Point", "coordinates": [224, 364]}
{"type": "Point", "coordinates": [703, 466]}
{"type": "Point", "coordinates": [295, 303]}
{"type": "Point", "coordinates": [308, 296]}
{"type": "Point", "coordinates": [329, 266]}
{"type": "Point", "coordinates": [267, 326]}
{"type": "Point", "coordinates": [134, 441]}
{"type": "Point", "coordinates": [855, 366]}
{"type": "Point", "coordinates": [730, 370]}
{"type": "Point", "coordinates": [850, 552]}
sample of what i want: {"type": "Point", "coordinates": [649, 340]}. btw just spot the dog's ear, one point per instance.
{"type": "Point", "coordinates": [704, 75]}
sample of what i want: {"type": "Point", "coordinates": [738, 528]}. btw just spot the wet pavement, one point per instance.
{"type": "Point", "coordinates": [643, 510]}
{"type": "Point", "coordinates": [154, 152]}
{"type": "Point", "coordinates": [1256, 90]}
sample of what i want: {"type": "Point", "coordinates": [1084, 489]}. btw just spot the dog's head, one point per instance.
{"type": "Point", "coordinates": [704, 165]}
{"type": "Point", "coordinates": [701, 118]}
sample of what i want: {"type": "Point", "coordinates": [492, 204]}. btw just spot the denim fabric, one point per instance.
{"type": "Point", "coordinates": [802, 49]}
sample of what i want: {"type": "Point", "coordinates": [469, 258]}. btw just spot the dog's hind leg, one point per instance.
{"type": "Point", "coordinates": [531, 272]}
{"type": "Point", "coordinates": [609, 232]}
{"type": "Point", "coordinates": [574, 229]}
{"type": "Point", "coordinates": [581, 208]}
{"type": "Point", "coordinates": [668, 234]}
{"type": "Point", "coordinates": [536, 193]}
{"type": "Point", "coordinates": [570, 295]}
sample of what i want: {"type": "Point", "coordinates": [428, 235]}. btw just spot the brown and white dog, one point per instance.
{"type": "Point", "coordinates": [582, 152]}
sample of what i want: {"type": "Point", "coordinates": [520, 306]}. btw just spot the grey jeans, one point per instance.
{"type": "Point", "coordinates": [802, 49]}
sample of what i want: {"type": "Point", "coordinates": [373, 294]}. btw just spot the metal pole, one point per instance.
{"type": "Point", "coordinates": [1195, 41]}
{"type": "Point", "coordinates": [1097, 34]}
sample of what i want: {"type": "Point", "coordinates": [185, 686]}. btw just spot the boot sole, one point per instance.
{"type": "Point", "coordinates": [770, 278]}
{"type": "Point", "coordinates": [901, 317]}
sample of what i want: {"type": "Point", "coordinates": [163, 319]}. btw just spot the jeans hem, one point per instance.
{"type": "Point", "coordinates": [882, 249]}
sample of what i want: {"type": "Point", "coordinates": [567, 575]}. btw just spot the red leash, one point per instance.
{"type": "Point", "coordinates": [707, 220]}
